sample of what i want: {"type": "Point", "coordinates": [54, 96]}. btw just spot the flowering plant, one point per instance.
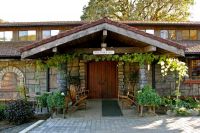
{"type": "Point", "coordinates": [174, 65]}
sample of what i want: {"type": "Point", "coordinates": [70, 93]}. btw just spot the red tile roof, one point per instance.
{"type": "Point", "coordinates": [92, 24]}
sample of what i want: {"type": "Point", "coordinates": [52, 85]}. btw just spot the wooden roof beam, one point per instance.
{"type": "Point", "coordinates": [149, 49]}
{"type": "Point", "coordinates": [105, 33]}
{"type": "Point", "coordinates": [120, 50]}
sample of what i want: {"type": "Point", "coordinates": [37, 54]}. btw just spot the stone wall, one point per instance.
{"type": "Point", "coordinates": [76, 68]}
{"type": "Point", "coordinates": [126, 81]}
{"type": "Point", "coordinates": [53, 85]}
{"type": "Point", "coordinates": [166, 85]}
{"type": "Point", "coordinates": [130, 71]}
{"type": "Point", "coordinates": [145, 75]}
{"type": "Point", "coordinates": [121, 78]}
{"type": "Point", "coordinates": [35, 82]}
{"type": "Point", "coordinates": [83, 73]}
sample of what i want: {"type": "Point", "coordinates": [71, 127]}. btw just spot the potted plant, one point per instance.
{"type": "Point", "coordinates": [56, 101]}
{"type": "Point", "coordinates": [59, 99]}
{"type": "Point", "coordinates": [42, 101]}
{"type": "Point", "coordinates": [148, 97]}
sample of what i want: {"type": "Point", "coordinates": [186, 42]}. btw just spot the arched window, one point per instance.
{"type": "Point", "coordinates": [10, 78]}
{"type": "Point", "coordinates": [10, 81]}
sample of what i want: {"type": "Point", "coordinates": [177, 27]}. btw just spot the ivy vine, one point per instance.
{"type": "Point", "coordinates": [54, 61]}
{"type": "Point", "coordinates": [58, 59]}
{"type": "Point", "coordinates": [130, 58]}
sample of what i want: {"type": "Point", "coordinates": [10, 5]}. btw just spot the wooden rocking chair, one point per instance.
{"type": "Point", "coordinates": [78, 101]}
{"type": "Point", "coordinates": [127, 100]}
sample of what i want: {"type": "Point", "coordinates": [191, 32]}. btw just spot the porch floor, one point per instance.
{"type": "Point", "coordinates": [91, 121]}
{"type": "Point", "coordinates": [94, 111]}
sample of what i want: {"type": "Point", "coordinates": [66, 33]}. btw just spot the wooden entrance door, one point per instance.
{"type": "Point", "coordinates": [102, 79]}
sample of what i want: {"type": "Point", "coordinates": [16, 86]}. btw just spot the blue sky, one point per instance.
{"type": "Point", "coordinates": [54, 10]}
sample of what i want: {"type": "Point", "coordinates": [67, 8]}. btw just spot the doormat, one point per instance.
{"type": "Point", "coordinates": [111, 108]}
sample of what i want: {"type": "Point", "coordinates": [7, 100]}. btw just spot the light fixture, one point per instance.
{"type": "Point", "coordinates": [54, 49]}
{"type": "Point", "coordinates": [148, 67]}
{"type": "Point", "coordinates": [103, 45]}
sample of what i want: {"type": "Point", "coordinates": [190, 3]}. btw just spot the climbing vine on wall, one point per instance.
{"type": "Point", "coordinates": [58, 59]}
{"type": "Point", "coordinates": [142, 58]}
{"type": "Point", "coordinates": [54, 61]}
{"type": "Point", "coordinates": [167, 64]}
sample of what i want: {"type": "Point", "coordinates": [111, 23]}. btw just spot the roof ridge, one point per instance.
{"type": "Point", "coordinates": [98, 22]}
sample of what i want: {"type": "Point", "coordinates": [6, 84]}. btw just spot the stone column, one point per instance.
{"type": "Point", "coordinates": [82, 73]}
{"type": "Point", "coordinates": [62, 79]}
{"type": "Point", "coordinates": [142, 76]}
{"type": "Point", "coordinates": [121, 80]}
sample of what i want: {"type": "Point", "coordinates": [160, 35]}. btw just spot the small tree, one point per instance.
{"type": "Point", "coordinates": [147, 96]}
{"type": "Point", "coordinates": [174, 65]}
{"type": "Point", "coordinates": [148, 10]}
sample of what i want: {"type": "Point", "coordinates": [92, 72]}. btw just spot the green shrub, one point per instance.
{"type": "Point", "coordinates": [50, 101]}
{"type": "Point", "coordinates": [2, 111]}
{"type": "Point", "coordinates": [148, 96]}
{"type": "Point", "coordinates": [188, 103]}
{"type": "Point", "coordinates": [19, 111]}
{"type": "Point", "coordinates": [167, 102]}
{"type": "Point", "coordinates": [181, 103]}
{"type": "Point", "coordinates": [42, 100]}
{"type": "Point", "coordinates": [192, 103]}
{"type": "Point", "coordinates": [59, 100]}
{"type": "Point", "coordinates": [56, 100]}
{"type": "Point", "coordinates": [182, 111]}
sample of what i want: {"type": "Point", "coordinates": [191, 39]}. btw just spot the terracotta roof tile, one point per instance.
{"type": "Point", "coordinates": [101, 21]}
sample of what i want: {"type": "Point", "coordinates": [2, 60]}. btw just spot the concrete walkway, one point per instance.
{"type": "Point", "coordinates": [91, 121]}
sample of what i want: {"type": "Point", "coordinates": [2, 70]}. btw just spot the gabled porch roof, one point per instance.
{"type": "Point", "coordinates": [90, 36]}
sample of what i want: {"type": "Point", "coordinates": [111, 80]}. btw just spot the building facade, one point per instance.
{"type": "Point", "coordinates": [21, 44]}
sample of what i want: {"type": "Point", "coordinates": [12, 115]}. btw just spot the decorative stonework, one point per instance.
{"type": "Point", "coordinates": [82, 72]}
{"type": "Point", "coordinates": [142, 76]}
{"type": "Point", "coordinates": [121, 76]}
{"type": "Point", "coordinates": [62, 78]}
{"type": "Point", "coordinates": [14, 70]}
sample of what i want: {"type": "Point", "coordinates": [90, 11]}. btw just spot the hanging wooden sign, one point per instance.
{"type": "Point", "coordinates": [103, 51]}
